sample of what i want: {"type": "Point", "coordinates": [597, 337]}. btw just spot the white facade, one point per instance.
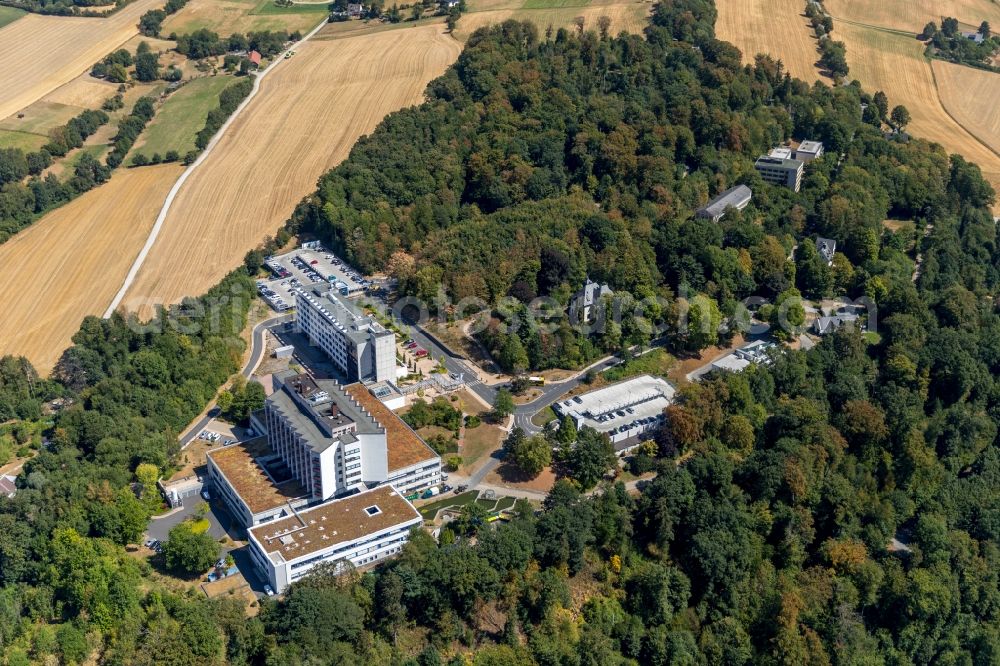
{"type": "Point", "coordinates": [329, 442]}
{"type": "Point", "coordinates": [357, 344]}
{"type": "Point", "coordinates": [780, 171]}
{"type": "Point", "coordinates": [622, 411]}
{"type": "Point", "coordinates": [753, 353]}
{"type": "Point", "coordinates": [361, 529]}
{"type": "Point", "coordinates": [808, 151]}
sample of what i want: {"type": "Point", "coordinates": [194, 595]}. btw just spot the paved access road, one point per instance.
{"type": "Point", "coordinates": [551, 392]}
{"type": "Point", "coordinates": [258, 346]}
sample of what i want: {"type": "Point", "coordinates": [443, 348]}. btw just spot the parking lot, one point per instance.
{"type": "Point", "coordinates": [310, 264]}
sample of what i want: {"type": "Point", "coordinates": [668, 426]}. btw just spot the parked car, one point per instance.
{"type": "Point", "coordinates": [268, 591]}
{"type": "Point", "coordinates": [205, 495]}
{"type": "Point", "coordinates": [461, 489]}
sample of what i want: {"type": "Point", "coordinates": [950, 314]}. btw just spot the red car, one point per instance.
{"type": "Point", "coordinates": [314, 262]}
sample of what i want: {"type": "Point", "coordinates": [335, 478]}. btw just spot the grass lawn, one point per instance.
{"type": "Point", "coordinates": [657, 363]}
{"type": "Point", "coordinates": [501, 503]}
{"type": "Point", "coordinates": [97, 152]}
{"type": "Point", "coordinates": [9, 15]}
{"type": "Point", "coordinates": [182, 116]}
{"type": "Point", "coordinates": [267, 7]}
{"type": "Point", "coordinates": [428, 511]}
{"type": "Point", "coordinates": [479, 443]}
{"type": "Point", "coordinates": [26, 141]}
{"type": "Point", "coordinates": [41, 117]}
{"type": "Point", "coordinates": [873, 338]}
{"type": "Point", "coordinates": [543, 417]}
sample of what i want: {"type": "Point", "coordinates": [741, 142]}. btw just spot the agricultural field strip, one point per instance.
{"type": "Point", "coordinates": [66, 265]}
{"type": "Point", "coordinates": [753, 27]}
{"type": "Point", "coordinates": [158, 224]}
{"type": "Point", "coordinates": [271, 157]}
{"type": "Point", "coordinates": [41, 53]}
{"type": "Point", "coordinates": [964, 126]}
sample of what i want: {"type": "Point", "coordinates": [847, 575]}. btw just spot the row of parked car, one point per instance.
{"type": "Point", "coordinates": [634, 424]}
{"type": "Point", "coordinates": [278, 269]}
{"type": "Point", "coordinates": [307, 268]}
{"type": "Point", "coordinates": [215, 437]}
{"type": "Point", "coordinates": [272, 297]}
{"type": "Point", "coordinates": [414, 348]}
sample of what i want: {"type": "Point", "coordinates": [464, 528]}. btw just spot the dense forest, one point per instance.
{"type": "Point", "coordinates": [840, 506]}
{"type": "Point", "coordinates": [25, 194]}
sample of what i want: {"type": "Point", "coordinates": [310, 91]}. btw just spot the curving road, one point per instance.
{"type": "Point", "coordinates": [258, 346]}
{"type": "Point", "coordinates": [172, 194]}
{"type": "Point", "coordinates": [551, 392]}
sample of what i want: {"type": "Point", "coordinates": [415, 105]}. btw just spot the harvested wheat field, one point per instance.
{"type": "Point", "coordinates": [625, 17]}
{"type": "Point", "coordinates": [776, 27]}
{"type": "Point", "coordinates": [228, 16]}
{"type": "Point", "coordinates": [42, 53]}
{"type": "Point", "coordinates": [912, 15]}
{"type": "Point", "coordinates": [309, 112]}
{"type": "Point", "coordinates": [70, 263]}
{"type": "Point", "coordinates": [972, 97]}
{"type": "Point", "coordinates": [895, 64]}
{"type": "Point", "coordinates": [84, 91]}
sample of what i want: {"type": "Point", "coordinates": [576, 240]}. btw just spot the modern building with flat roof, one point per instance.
{"type": "Point", "coordinates": [357, 344]}
{"type": "Point", "coordinates": [358, 530]}
{"type": "Point", "coordinates": [753, 353]}
{"type": "Point", "coordinates": [622, 411]}
{"type": "Point", "coordinates": [780, 171]}
{"type": "Point", "coordinates": [253, 483]}
{"type": "Point", "coordinates": [323, 440]}
{"type": "Point", "coordinates": [735, 197]}
{"type": "Point", "coordinates": [808, 151]}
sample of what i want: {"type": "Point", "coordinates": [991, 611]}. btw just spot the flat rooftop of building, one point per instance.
{"type": "Point", "coordinates": [614, 397]}
{"type": "Point", "coordinates": [334, 522]}
{"type": "Point", "coordinates": [619, 406]}
{"type": "Point", "coordinates": [731, 362]}
{"type": "Point", "coordinates": [237, 463]}
{"type": "Point", "coordinates": [810, 147]}
{"type": "Point", "coordinates": [342, 313]}
{"type": "Point", "coordinates": [332, 406]}
{"type": "Point", "coordinates": [736, 197]}
{"type": "Point", "coordinates": [779, 162]}
{"type": "Point", "coordinates": [405, 448]}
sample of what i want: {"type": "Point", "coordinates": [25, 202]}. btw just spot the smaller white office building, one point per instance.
{"type": "Point", "coordinates": [753, 353]}
{"type": "Point", "coordinates": [809, 150]}
{"type": "Point", "coordinates": [776, 169]}
{"type": "Point", "coordinates": [623, 411]}
{"type": "Point", "coordinates": [359, 529]}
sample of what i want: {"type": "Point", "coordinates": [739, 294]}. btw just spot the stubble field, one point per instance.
{"type": "Point", "coordinates": [979, 112]}
{"type": "Point", "coordinates": [41, 53]}
{"type": "Point", "coordinates": [895, 64]}
{"type": "Point", "coordinates": [776, 27]}
{"type": "Point", "coordinates": [912, 15]}
{"type": "Point", "coordinates": [228, 16]}
{"type": "Point", "coordinates": [70, 263]}
{"type": "Point", "coordinates": [305, 119]}
{"type": "Point", "coordinates": [628, 16]}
